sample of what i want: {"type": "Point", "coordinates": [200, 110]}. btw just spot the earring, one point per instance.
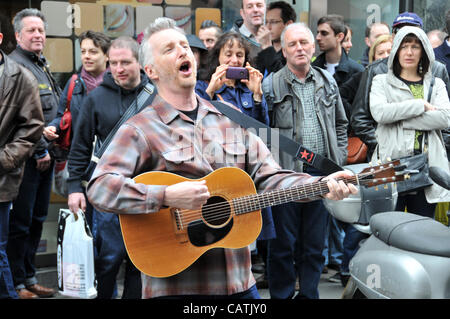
{"type": "Point", "coordinates": [420, 68]}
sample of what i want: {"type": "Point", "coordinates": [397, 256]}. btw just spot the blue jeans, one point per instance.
{"type": "Point", "coordinates": [28, 214]}
{"type": "Point", "coordinates": [110, 255]}
{"type": "Point", "coordinates": [297, 251]}
{"type": "Point", "coordinates": [351, 245]}
{"type": "Point", "coordinates": [334, 238]}
{"type": "Point", "coordinates": [6, 282]}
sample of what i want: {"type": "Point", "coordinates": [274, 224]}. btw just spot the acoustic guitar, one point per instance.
{"type": "Point", "coordinates": [164, 243]}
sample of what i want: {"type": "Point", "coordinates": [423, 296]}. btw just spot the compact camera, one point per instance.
{"type": "Point", "coordinates": [236, 73]}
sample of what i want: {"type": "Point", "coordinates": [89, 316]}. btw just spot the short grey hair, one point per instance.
{"type": "Point", "coordinates": [28, 12]}
{"type": "Point", "coordinates": [160, 24]}
{"type": "Point", "coordinates": [293, 25]}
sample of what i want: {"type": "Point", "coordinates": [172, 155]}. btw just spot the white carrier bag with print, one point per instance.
{"type": "Point", "coordinates": [76, 275]}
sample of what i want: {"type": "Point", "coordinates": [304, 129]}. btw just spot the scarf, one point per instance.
{"type": "Point", "coordinates": [91, 81]}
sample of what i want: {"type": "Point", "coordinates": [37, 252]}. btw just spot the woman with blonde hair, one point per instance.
{"type": "Point", "coordinates": [381, 48]}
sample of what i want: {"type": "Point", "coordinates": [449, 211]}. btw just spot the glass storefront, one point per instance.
{"type": "Point", "coordinates": [361, 13]}
{"type": "Point", "coordinates": [67, 19]}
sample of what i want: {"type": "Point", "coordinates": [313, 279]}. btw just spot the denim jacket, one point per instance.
{"type": "Point", "coordinates": [240, 96]}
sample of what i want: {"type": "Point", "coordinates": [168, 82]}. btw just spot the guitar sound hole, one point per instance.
{"type": "Point", "coordinates": [216, 211]}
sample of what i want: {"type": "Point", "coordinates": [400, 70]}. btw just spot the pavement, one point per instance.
{"type": "Point", "coordinates": [327, 289]}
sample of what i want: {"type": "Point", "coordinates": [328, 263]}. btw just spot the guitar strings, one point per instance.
{"type": "Point", "coordinates": [218, 214]}
{"type": "Point", "coordinates": [221, 214]}
{"type": "Point", "coordinates": [218, 211]}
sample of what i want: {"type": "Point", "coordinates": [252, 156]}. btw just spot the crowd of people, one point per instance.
{"type": "Point", "coordinates": [395, 99]}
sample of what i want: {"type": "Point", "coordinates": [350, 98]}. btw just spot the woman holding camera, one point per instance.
{"type": "Point", "coordinates": [411, 107]}
{"type": "Point", "coordinates": [240, 87]}
{"type": "Point", "coordinates": [219, 82]}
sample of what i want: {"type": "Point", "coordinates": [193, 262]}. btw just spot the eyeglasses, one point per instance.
{"type": "Point", "coordinates": [272, 22]}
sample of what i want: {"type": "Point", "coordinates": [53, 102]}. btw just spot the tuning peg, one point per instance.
{"type": "Point", "coordinates": [370, 164]}
{"type": "Point", "coordinates": [379, 162]}
{"type": "Point", "coordinates": [389, 159]}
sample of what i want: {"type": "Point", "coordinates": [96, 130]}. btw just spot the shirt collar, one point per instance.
{"type": "Point", "coordinates": [168, 113]}
{"type": "Point", "coordinates": [246, 32]}
{"type": "Point", "coordinates": [33, 56]}
{"type": "Point", "coordinates": [309, 77]}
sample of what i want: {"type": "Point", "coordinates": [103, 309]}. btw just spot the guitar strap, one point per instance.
{"type": "Point", "coordinates": [144, 98]}
{"type": "Point", "coordinates": [287, 145]}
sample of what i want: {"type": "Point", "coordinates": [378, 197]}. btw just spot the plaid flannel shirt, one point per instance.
{"type": "Point", "coordinates": [161, 138]}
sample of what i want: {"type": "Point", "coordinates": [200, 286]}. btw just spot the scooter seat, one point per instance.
{"type": "Point", "coordinates": [412, 233]}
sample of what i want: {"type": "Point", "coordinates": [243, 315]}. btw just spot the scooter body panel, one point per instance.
{"type": "Point", "coordinates": [383, 271]}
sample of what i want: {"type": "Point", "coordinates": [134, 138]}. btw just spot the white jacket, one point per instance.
{"type": "Point", "coordinates": [399, 115]}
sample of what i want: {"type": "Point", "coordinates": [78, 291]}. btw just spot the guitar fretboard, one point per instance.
{"type": "Point", "coordinates": [251, 203]}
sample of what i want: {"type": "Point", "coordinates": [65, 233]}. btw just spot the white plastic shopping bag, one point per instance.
{"type": "Point", "coordinates": [76, 275]}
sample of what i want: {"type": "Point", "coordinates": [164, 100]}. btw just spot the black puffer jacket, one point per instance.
{"type": "Point", "coordinates": [100, 112]}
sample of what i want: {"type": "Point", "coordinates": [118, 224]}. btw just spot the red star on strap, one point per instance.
{"type": "Point", "coordinates": [304, 154]}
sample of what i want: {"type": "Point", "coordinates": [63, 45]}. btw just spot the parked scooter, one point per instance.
{"type": "Point", "coordinates": [407, 256]}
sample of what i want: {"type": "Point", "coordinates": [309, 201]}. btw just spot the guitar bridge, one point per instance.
{"type": "Point", "coordinates": [178, 220]}
{"type": "Point", "coordinates": [179, 227]}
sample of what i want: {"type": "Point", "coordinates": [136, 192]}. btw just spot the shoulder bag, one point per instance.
{"type": "Point", "coordinates": [417, 165]}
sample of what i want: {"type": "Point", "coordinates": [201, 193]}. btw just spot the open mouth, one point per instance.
{"type": "Point", "coordinates": [185, 67]}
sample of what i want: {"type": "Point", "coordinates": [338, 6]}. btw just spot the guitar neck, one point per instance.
{"type": "Point", "coordinates": [251, 203]}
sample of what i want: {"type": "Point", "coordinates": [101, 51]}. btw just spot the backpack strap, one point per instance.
{"type": "Point", "coordinates": [73, 80]}
{"type": "Point", "coordinates": [144, 98]}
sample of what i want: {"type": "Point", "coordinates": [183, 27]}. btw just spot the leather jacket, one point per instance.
{"type": "Point", "coordinates": [21, 124]}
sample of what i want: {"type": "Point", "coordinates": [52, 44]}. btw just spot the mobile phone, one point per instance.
{"type": "Point", "coordinates": [236, 73]}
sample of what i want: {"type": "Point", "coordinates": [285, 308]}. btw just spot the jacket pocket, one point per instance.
{"type": "Point", "coordinates": [283, 114]}
{"type": "Point", "coordinates": [327, 106]}
{"type": "Point", "coordinates": [328, 100]}
{"type": "Point", "coordinates": [46, 99]}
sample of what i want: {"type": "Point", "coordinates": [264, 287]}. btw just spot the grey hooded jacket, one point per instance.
{"type": "Point", "coordinates": [399, 115]}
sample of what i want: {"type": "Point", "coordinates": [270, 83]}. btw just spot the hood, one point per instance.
{"type": "Point", "coordinates": [108, 81]}
{"type": "Point", "coordinates": [399, 38]}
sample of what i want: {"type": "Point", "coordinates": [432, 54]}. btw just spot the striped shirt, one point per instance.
{"type": "Point", "coordinates": [161, 138]}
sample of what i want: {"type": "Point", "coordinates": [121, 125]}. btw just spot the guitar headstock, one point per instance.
{"type": "Point", "coordinates": [382, 174]}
